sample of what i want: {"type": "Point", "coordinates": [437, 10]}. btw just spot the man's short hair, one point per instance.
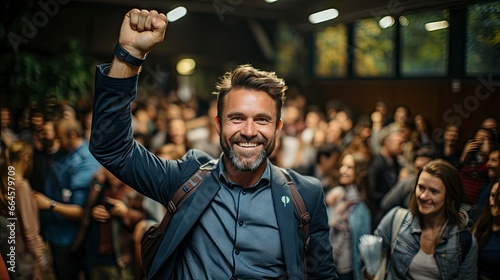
{"type": "Point", "coordinates": [388, 130]}
{"type": "Point", "coordinates": [246, 77]}
{"type": "Point", "coordinates": [426, 151]}
{"type": "Point", "coordinates": [67, 126]}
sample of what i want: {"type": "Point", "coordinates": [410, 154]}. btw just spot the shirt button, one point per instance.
{"type": "Point", "coordinates": [233, 278]}
{"type": "Point", "coordinates": [240, 223]}
{"type": "Point", "coordinates": [244, 192]}
{"type": "Point", "coordinates": [237, 252]}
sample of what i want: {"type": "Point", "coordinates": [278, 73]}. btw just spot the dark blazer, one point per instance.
{"type": "Point", "coordinates": [113, 146]}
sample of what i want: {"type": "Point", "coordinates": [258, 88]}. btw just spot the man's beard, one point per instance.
{"type": "Point", "coordinates": [243, 161]}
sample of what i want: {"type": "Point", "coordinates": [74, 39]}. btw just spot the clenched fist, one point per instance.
{"type": "Point", "coordinates": [141, 30]}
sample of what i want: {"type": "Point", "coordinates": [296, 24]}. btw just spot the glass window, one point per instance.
{"type": "Point", "coordinates": [424, 44]}
{"type": "Point", "coordinates": [374, 47]}
{"type": "Point", "coordinates": [483, 39]}
{"type": "Point", "coordinates": [331, 52]}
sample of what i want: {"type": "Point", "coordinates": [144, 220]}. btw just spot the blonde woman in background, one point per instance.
{"type": "Point", "coordinates": [31, 259]}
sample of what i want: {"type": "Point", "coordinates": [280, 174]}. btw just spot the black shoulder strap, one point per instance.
{"type": "Point", "coordinates": [184, 191]}
{"type": "Point", "coordinates": [465, 241]}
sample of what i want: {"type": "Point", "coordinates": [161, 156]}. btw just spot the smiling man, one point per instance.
{"type": "Point", "coordinates": [237, 224]}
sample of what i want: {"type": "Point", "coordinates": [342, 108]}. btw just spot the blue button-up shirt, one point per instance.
{"type": "Point", "coordinates": [68, 181]}
{"type": "Point", "coordinates": [237, 237]}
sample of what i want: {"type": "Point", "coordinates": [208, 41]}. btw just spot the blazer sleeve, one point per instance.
{"type": "Point", "coordinates": [113, 145]}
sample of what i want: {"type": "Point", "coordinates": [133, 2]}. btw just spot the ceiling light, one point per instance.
{"type": "Point", "coordinates": [404, 21]}
{"type": "Point", "coordinates": [437, 25]}
{"type": "Point", "coordinates": [386, 22]}
{"type": "Point", "coordinates": [176, 13]}
{"type": "Point", "coordinates": [323, 16]}
{"type": "Point", "coordinates": [186, 66]}
{"type": "Point", "coordinates": [270, 1]}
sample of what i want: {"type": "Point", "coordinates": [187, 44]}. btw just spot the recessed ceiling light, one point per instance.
{"type": "Point", "coordinates": [404, 21]}
{"type": "Point", "coordinates": [386, 22]}
{"type": "Point", "coordinates": [176, 13]}
{"type": "Point", "coordinates": [323, 16]}
{"type": "Point", "coordinates": [270, 1]}
{"type": "Point", "coordinates": [437, 25]}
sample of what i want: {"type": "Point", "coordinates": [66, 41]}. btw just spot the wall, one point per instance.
{"type": "Point", "coordinates": [479, 98]}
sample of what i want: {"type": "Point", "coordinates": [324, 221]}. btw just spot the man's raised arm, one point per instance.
{"type": "Point", "coordinates": [111, 141]}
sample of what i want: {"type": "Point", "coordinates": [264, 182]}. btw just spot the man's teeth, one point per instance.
{"type": "Point", "coordinates": [248, 144]}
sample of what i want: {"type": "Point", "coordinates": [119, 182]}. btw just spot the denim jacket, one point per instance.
{"type": "Point", "coordinates": [359, 223]}
{"type": "Point", "coordinates": [447, 252]}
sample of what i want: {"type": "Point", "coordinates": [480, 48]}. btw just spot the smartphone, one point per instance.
{"type": "Point", "coordinates": [108, 206]}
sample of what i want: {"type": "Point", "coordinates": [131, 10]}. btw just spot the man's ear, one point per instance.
{"type": "Point", "coordinates": [217, 123]}
{"type": "Point", "coordinates": [279, 126]}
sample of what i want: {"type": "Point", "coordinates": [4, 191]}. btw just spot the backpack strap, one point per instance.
{"type": "Point", "coordinates": [184, 191]}
{"type": "Point", "coordinates": [465, 241]}
{"type": "Point", "coordinates": [397, 221]}
{"type": "Point", "coordinates": [300, 206]}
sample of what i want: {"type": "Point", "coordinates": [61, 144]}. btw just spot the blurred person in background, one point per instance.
{"type": "Point", "coordinates": [326, 168]}
{"type": "Point", "coordinates": [349, 216]}
{"type": "Point", "coordinates": [110, 246]}
{"type": "Point", "coordinates": [493, 166]}
{"type": "Point", "coordinates": [42, 159]}
{"type": "Point", "coordinates": [177, 134]}
{"type": "Point", "coordinates": [423, 132]}
{"type": "Point", "coordinates": [400, 194]}
{"type": "Point", "coordinates": [491, 124]}
{"type": "Point", "coordinates": [487, 232]}
{"type": "Point", "coordinates": [63, 198]}
{"type": "Point", "coordinates": [473, 170]}
{"type": "Point", "coordinates": [31, 256]}
{"type": "Point", "coordinates": [448, 147]}
{"type": "Point", "coordinates": [385, 168]}
{"type": "Point", "coordinates": [377, 125]}
{"type": "Point", "coordinates": [361, 138]}
{"type": "Point", "coordinates": [7, 136]}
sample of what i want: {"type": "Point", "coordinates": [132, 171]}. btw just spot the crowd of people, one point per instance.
{"type": "Point", "coordinates": [77, 219]}
{"type": "Point", "coordinates": [360, 185]}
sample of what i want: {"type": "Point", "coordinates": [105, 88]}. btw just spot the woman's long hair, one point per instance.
{"type": "Point", "coordinates": [361, 180]}
{"type": "Point", "coordinates": [482, 228]}
{"type": "Point", "coordinates": [454, 189]}
{"type": "Point", "coordinates": [13, 154]}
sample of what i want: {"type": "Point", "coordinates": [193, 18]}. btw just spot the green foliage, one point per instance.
{"type": "Point", "coordinates": [31, 77]}
{"type": "Point", "coordinates": [483, 38]}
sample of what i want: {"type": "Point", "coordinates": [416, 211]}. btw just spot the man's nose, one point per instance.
{"type": "Point", "coordinates": [249, 129]}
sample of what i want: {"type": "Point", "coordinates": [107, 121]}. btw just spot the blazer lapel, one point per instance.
{"type": "Point", "coordinates": [183, 220]}
{"type": "Point", "coordinates": [284, 209]}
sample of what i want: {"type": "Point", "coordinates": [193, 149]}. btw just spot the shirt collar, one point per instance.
{"type": "Point", "coordinates": [262, 182]}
